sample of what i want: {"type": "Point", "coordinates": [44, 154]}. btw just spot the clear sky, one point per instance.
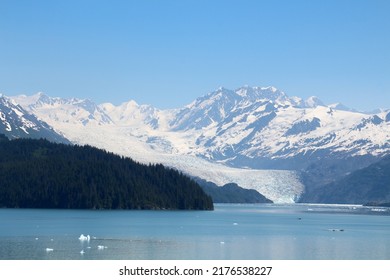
{"type": "Point", "coordinates": [167, 53]}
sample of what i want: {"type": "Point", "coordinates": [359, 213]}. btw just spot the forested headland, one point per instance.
{"type": "Point", "coordinates": [41, 174]}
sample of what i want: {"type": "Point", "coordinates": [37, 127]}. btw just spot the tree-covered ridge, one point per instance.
{"type": "Point", "coordinates": [41, 174]}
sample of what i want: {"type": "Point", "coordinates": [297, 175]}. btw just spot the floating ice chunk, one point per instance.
{"type": "Point", "coordinates": [36, 238]}
{"type": "Point", "coordinates": [49, 249]}
{"type": "Point", "coordinates": [82, 252]}
{"type": "Point", "coordinates": [84, 238]}
{"type": "Point", "coordinates": [101, 247]}
{"type": "Point", "coordinates": [222, 242]}
{"type": "Point", "coordinates": [235, 224]}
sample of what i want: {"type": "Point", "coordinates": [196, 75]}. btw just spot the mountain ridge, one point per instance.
{"type": "Point", "coordinates": [16, 122]}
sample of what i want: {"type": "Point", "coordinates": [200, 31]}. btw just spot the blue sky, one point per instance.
{"type": "Point", "coordinates": [167, 53]}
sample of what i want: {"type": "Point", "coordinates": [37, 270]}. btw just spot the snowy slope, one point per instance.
{"type": "Point", "coordinates": [16, 122]}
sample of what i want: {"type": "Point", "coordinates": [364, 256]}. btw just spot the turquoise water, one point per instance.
{"type": "Point", "coordinates": [230, 232]}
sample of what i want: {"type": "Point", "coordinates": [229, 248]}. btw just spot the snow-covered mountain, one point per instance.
{"type": "Point", "coordinates": [264, 128]}
{"type": "Point", "coordinates": [75, 111]}
{"type": "Point", "coordinates": [16, 122]}
{"type": "Point", "coordinates": [225, 136]}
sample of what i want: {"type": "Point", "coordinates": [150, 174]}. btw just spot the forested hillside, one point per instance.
{"type": "Point", "coordinates": [41, 174]}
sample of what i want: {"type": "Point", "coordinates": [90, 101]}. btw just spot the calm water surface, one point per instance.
{"type": "Point", "coordinates": [230, 232]}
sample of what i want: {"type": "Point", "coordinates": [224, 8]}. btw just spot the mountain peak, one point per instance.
{"type": "Point", "coordinates": [43, 98]}
{"type": "Point", "coordinates": [8, 101]}
{"type": "Point", "coordinates": [221, 88]}
{"type": "Point", "coordinates": [129, 105]}
{"type": "Point", "coordinates": [269, 93]}
{"type": "Point", "coordinates": [313, 101]}
{"type": "Point", "coordinates": [270, 88]}
{"type": "Point", "coordinates": [340, 106]}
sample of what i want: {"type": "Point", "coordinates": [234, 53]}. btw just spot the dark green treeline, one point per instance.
{"type": "Point", "coordinates": [41, 174]}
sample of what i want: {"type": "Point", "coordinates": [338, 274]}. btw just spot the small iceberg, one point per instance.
{"type": "Point", "coordinates": [49, 249]}
{"type": "Point", "coordinates": [84, 238]}
{"type": "Point", "coordinates": [82, 252]}
{"type": "Point", "coordinates": [101, 247]}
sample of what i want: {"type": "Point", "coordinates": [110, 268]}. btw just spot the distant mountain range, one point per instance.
{"type": "Point", "coordinates": [256, 137]}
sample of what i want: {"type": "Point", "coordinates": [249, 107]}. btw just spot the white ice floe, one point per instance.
{"type": "Point", "coordinates": [49, 249]}
{"type": "Point", "coordinates": [101, 247]}
{"type": "Point", "coordinates": [84, 238]}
